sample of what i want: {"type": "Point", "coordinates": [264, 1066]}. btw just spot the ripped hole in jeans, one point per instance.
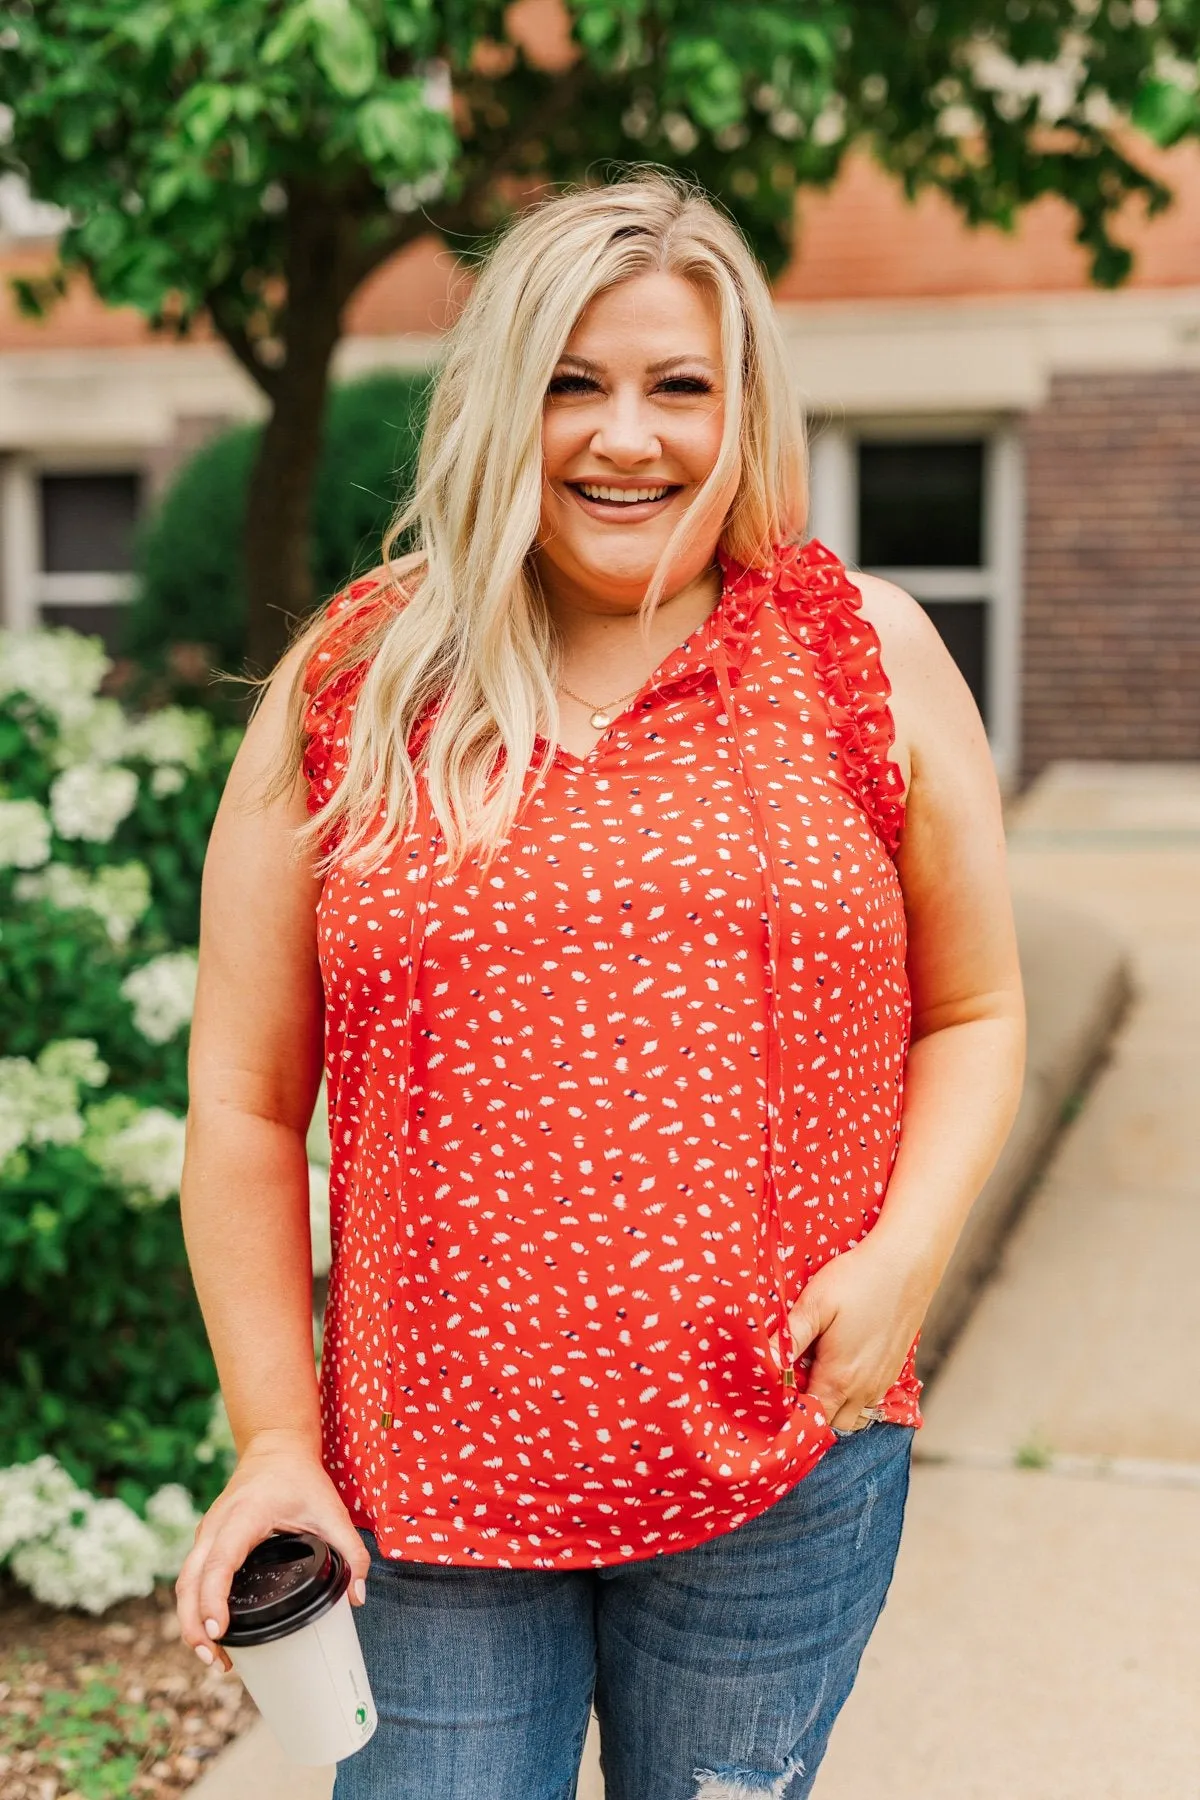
{"type": "Point", "coordinates": [741, 1783]}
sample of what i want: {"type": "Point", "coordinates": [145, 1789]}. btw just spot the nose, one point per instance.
{"type": "Point", "coordinates": [625, 435]}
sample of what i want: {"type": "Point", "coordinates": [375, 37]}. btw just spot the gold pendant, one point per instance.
{"type": "Point", "coordinates": [599, 721]}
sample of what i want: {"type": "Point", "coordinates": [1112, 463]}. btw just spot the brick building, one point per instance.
{"type": "Point", "coordinates": [1017, 448]}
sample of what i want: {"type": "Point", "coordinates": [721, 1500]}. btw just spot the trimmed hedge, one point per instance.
{"type": "Point", "coordinates": [189, 561]}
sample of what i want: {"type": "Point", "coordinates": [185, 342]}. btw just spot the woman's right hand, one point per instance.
{"type": "Point", "coordinates": [278, 1485]}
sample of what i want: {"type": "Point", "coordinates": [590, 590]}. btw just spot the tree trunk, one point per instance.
{"type": "Point", "coordinates": [278, 548]}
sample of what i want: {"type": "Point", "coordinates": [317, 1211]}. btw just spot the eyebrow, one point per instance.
{"type": "Point", "coordinates": [669, 362]}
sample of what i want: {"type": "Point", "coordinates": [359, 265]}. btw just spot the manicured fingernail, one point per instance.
{"type": "Point", "coordinates": [212, 1628]}
{"type": "Point", "coordinates": [204, 1653]}
{"type": "Point", "coordinates": [360, 1591]}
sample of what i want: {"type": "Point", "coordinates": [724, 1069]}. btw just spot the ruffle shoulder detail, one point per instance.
{"type": "Point", "coordinates": [327, 715]}
{"type": "Point", "coordinates": [822, 609]}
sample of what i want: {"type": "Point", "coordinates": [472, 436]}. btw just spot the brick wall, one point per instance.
{"type": "Point", "coordinates": [1111, 650]}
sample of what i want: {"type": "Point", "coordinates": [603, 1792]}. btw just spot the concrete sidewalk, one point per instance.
{"type": "Point", "coordinates": [1042, 1639]}
{"type": "Point", "coordinates": [1075, 972]}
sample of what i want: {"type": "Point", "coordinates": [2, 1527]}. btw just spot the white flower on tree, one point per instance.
{"type": "Point", "coordinates": [162, 993]}
{"type": "Point", "coordinates": [24, 834]}
{"type": "Point", "coordinates": [59, 670]}
{"type": "Point", "coordinates": [118, 894]}
{"type": "Point", "coordinates": [139, 1149]}
{"type": "Point", "coordinates": [90, 800]}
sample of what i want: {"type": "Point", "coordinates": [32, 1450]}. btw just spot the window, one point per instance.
{"type": "Point", "coordinates": [85, 553]}
{"type": "Point", "coordinates": [87, 523]}
{"type": "Point", "coordinates": [921, 507]}
{"type": "Point", "coordinates": [938, 511]}
{"type": "Point", "coordinates": [920, 504]}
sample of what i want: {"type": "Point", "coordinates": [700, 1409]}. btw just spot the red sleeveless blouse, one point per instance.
{"type": "Point", "coordinates": [598, 1114]}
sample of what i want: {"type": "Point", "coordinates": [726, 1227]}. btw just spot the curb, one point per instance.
{"type": "Point", "coordinates": [1077, 986]}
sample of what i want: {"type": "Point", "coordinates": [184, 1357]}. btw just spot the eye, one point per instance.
{"type": "Point", "coordinates": [685, 384]}
{"type": "Point", "coordinates": [572, 384]}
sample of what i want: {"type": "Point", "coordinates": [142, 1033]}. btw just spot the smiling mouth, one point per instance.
{"type": "Point", "coordinates": [599, 493]}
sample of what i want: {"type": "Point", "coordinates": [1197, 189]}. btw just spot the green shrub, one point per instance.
{"type": "Point", "coordinates": [191, 585]}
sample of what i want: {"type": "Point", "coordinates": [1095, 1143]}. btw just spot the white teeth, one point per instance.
{"type": "Point", "coordinates": [622, 496]}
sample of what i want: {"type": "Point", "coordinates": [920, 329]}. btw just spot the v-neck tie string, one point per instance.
{"type": "Point", "coordinates": [772, 1223]}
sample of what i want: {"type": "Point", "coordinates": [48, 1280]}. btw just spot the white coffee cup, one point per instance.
{"type": "Point", "coordinates": [291, 1638]}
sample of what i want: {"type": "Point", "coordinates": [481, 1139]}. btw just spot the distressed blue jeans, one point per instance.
{"type": "Point", "coordinates": [716, 1673]}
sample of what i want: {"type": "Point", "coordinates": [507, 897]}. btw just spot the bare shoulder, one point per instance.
{"type": "Point", "coordinates": [934, 710]}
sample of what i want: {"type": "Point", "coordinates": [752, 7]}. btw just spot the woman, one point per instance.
{"type": "Point", "coordinates": [665, 982]}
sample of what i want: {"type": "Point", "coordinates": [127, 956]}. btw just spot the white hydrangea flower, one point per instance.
{"type": "Point", "coordinates": [118, 894]}
{"type": "Point", "coordinates": [217, 1444]}
{"type": "Point", "coordinates": [73, 1059]}
{"type": "Point", "coordinates": [39, 1102]}
{"type": "Point", "coordinates": [178, 734]}
{"type": "Point", "coordinates": [60, 670]}
{"type": "Point", "coordinates": [101, 1554]}
{"type": "Point", "coordinates": [24, 834]}
{"type": "Point", "coordinates": [162, 993]}
{"type": "Point", "coordinates": [90, 800]}
{"type": "Point", "coordinates": [35, 1499]}
{"type": "Point", "coordinates": [318, 1218]}
{"type": "Point", "coordinates": [173, 1520]}
{"type": "Point", "coordinates": [139, 1149]}
{"type": "Point", "coordinates": [100, 735]}
{"type": "Point", "coordinates": [167, 780]}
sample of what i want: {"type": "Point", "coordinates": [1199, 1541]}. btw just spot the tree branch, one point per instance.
{"type": "Point", "coordinates": [460, 217]}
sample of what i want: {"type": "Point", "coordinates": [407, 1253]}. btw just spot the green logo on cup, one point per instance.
{"type": "Point", "coordinates": [360, 1717]}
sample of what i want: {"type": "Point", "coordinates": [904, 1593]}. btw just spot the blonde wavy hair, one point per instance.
{"type": "Point", "coordinates": [473, 643]}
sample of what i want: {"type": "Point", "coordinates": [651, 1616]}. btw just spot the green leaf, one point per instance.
{"type": "Point", "coordinates": [389, 131]}
{"type": "Point", "coordinates": [291, 32]}
{"type": "Point", "coordinates": [102, 234]}
{"type": "Point", "coordinates": [345, 47]}
{"type": "Point", "coordinates": [74, 133]}
{"type": "Point", "coordinates": [145, 26]}
{"type": "Point", "coordinates": [205, 111]}
{"type": "Point", "coordinates": [1165, 112]}
{"type": "Point", "coordinates": [711, 82]}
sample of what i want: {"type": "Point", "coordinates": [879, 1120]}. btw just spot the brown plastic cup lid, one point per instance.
{"type": "Point", "coordinates": [289, 1580]}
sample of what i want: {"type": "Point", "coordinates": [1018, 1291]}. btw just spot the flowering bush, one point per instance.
{"type": "Point", "coordinates": [106, 1381]}
{"type": "Point", "coordinates": [110, 1429]}
{"type": "Point", "coordinates": [72, 1549]}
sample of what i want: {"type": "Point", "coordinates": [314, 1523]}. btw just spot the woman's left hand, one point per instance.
{"type": "Point", "coordinates": [856, 1319]}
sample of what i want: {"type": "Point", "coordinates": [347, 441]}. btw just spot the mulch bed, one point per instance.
{"type": "Point", "coordinates": [98, 1709]}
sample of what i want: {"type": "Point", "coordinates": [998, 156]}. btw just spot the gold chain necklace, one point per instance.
{"type": "Point", "coordinates": [601, 715]}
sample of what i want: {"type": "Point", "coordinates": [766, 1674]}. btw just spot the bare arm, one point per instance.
{"type": "Point", "coordinates": [965, 1066]}
{"type": "Point", "coordinates": [254, 1071]}
{"type": "Point", "coordinates": [967, 1058]}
